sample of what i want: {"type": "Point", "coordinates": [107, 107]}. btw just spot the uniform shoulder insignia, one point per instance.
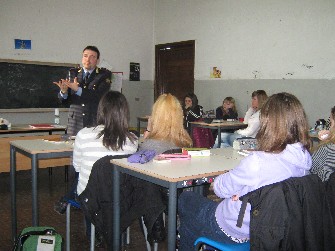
{"type": "Point", "coordinates": [108, 80]}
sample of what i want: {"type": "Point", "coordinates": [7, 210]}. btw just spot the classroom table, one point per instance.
{"type": "Point", "coordinates": [139, 120]}
{"type": "Point", "coordinates": [223, 125]}
{"type": "Point", "coordinates": [17, 129]}
{"type": "Point", "coordinates": [173, 175]}
{"type": "Point", "coordinates": [35, 150]}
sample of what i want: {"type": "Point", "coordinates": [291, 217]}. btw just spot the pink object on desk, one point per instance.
{"type": "Point", "coordinates": [176, 156]}
{"type": "Point", "coordinates": [41, 126]}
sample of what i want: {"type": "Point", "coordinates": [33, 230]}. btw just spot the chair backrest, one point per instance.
{"type": "Point", "coordinates": [330, 190]}
{"type": "Point", "coordinates": [221, 246]}
{"type": "Point", "coordinates": [291, 215]}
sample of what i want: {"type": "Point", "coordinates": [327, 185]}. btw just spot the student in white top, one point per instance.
{"type": "Point", "coordinates": [110, 137]}
{"type": "Point", "coordinates": [258, 98]}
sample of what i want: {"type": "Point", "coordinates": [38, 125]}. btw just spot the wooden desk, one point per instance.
{"type": "Point", "coordinates": [139, 119]}
{"type": "Point", "coordinates": [176, 174]}
{"type": "Point", "coordinates": [35, 150]}
{"type": "Point", "coordinates": [224, 125]}
{"type": "Point", "coordinates": [23, 163]}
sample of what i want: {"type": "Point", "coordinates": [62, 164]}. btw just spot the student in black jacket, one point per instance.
{"type": "Point", "coordinates": [192, 111]}
{"type": "Point", "coordinates": [227, 110]}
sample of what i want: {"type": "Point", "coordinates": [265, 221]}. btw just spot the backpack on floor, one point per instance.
{"type": "Point", "coordinates": [38, 239]}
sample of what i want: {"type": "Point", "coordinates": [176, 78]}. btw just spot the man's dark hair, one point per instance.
{"type": "Point", "coordinates": [93, 48]}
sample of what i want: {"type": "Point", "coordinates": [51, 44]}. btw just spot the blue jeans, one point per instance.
{"type": "Point", "coordinates": [232, 137]}
{"type": "Point", "coordinates": [224, 140]}
{"type": "Point", "coordinates": [197, 218]}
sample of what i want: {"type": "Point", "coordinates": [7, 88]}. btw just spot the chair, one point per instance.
{"type": "Point", "coordinates": [221, 246]}
{"type": "Point", "coordinates": [75, 204]}
{"type": "Point", "coordinates": [125, 236]}
{"type": "Point", "coordinates": [282, 211]}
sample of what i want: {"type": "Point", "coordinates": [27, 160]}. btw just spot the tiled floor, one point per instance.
{"type": "Point", "coordinates": [51, 188]}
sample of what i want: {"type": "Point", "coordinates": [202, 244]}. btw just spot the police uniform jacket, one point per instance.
{"type": "Point", "coordinates": [83, 109]}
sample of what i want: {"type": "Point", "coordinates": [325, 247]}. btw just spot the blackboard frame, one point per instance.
{"type": "Point", "coordinates": [29, 84]}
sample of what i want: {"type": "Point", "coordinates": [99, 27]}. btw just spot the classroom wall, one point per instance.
{"type": "Point", "coordinates": [261, 44]}
{"type": "Point", "coordinates": [59, 30]}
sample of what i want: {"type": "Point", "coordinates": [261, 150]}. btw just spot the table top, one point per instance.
{"type": "Point", "coordinates": [36, 146]}
{"type": "Point", "coordinates": [220, 161]}
{"type": "Point", "coordinates": [222, 124]}
{"type": "Point", "coordinates": [27, 129]}
{"type": "Point", "coordinates": [144, 118]}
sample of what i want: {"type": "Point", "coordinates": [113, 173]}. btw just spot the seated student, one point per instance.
{"type": "Point", "coordinates": [165, 132]}
{"type": "Point", "coordinates": [251, 118]}
{"type": "Point", "coordinates": [110, 137]}
{"type": "Point", "coordinates": [192, 111]}
{"type": "Point", "coordinates": [323, 159]}
{"type": "Point", "coordinates": [227, 110]}
{"type": "Point", "coordinates": [283, 152]}
{"type": "Point", "coordinates": [202, 137]}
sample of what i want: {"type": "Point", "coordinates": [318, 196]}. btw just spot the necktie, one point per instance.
{"type": "Point", "coordinates": [87, 75]}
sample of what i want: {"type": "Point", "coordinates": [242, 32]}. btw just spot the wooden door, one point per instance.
{"type": "Point", "coordinates": [174, 68]}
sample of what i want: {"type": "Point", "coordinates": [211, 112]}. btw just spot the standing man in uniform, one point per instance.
{"type": "Point", "coordinates": [83, 90]}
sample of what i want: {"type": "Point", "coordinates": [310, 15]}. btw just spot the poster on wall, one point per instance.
{"type": "Point", "coordinates": [117, 81]}
{"type": "Point", "coordinates": [215, 72]}
{"type": "Point", "coordinates": [22, 44]}
{"type": "Point", "coordinates": [134, 73]}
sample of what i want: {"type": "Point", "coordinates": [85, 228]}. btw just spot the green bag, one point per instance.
{"type": "Point", "coordinates": [38, 239]}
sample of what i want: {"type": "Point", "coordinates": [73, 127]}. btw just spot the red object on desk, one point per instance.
{"type": "Point", "coordinates": [41, 126]}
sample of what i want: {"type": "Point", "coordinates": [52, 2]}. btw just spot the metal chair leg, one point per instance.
{"type": "Point", "coordinates": [68, 218]}
{"type": "Point", "coordinates": [145, 231]}
{"type": "Point", "coordinates": [92, 246]}
{"type": "Point", "coordinates": [68, 231]}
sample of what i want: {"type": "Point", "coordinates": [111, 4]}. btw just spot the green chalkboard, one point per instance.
{"type": "Point", "coordinates": [30, 85]}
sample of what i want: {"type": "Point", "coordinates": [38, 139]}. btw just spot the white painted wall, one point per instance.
{"type": "Point", "coordinates": [59, 30]}
{"type": "Point", "coordinates": [258, 44]}
{"type": "Point", "coordinates": [274, 38]}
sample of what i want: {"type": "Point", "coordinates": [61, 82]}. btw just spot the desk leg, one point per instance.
{"type": "Point", "coordinates": [139, 126]}
{"type": "Point", "coordinates": [172, 217]}
{"type": "Point", "coordinates": [13, 190]}
{"type": "Point", "coordinates": [219, 137]}
{"type": "Point", "coordinates": [116, 209]}
{"type": "Point", "coordinates": [34, 185]}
